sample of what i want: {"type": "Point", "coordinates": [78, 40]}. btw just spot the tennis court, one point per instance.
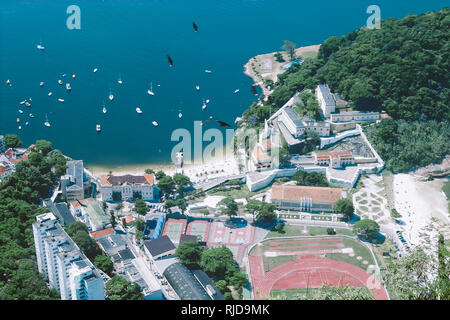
{"type": "Point", "coordinates": [199, 228]}
{"type": "Point", "coordinates": [174, 228]}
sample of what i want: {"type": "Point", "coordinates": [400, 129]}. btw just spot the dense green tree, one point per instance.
{"type": "Point", "coordinates": [228, 206]}
{"type": "Point", "coordinates": [316, 179]}
{"type": "Point", "coordinates": [43, 146]}
{"type": "Point", "coordinates": [149, 171]}
{"type": "Point", "coordinates": [119, 207]}
{"type": "Point", "coordinates": [238, 280]}
{"type": "Point", "coordinates": [218, 262]}
{"type": "Point", "coordinates": [189, 253]}
{"type": "Point", "coordinates": [112, 218]}
{"type": "Point", "coordinates": [345, 206]}
{"type": "Point", "coordinates": [119, 288]}
{"type": "Point", "coordinates": [261, 210]}
{"type": "Point", "coordinates": [289, 47]}
{"type": "Point", "coordinates": [139, 223]}
{"type": "Point", "coordinates": [86, 244]}
{"type": "Point", "coordinates": [181, 182]}
{"type": "Point", "coordinates": [222, 286]}
{"type": "Point", "coordinates": [180, 203]}
{"type": "Point", "coordinates": [75, 227]}
{"type": "Point", "coordinates": [169, 204]}
{"type": "Point", "coordinates": [140, 206]}
{"type": "Point", "coordinates": [166, 185]}
{"type": "Point", "coordinates": [366, 227]}
{"type": "Point", "coordinates": [104, 263]}
{"type": "Point", "coordinates": [160, 174]}
{"type": "Point", "coordinates": [12, 141]}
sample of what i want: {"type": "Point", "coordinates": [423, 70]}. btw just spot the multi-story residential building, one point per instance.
{"type": "Point", "coordinates": [63, 264]}
{"type": "Point", "coordinates": [334, 159]}
{"type": "Point", "coordinates": [304, 198]}
{"type": "Point", "coordinates": [326, 100]}
{"type": "Point", "coordinates": [260, 157]}
{"type": "Point", "coordinates": [298, 127]}
{"type": "Point", "coordinates": [73, 183]}
{"type": "Point", "coordinates": [90, 213]}
{"type": "Point", "coordinates": [355, 116]}
{"type": "Point", "coordinates": [128, 187]}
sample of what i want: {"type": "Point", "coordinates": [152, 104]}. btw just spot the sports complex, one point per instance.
{"type": "Point", "coordinates": [289, 266]}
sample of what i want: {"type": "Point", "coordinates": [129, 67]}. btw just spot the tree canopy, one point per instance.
{"type": "Point", "coordinates": [119, 288]}
{"type": "Point", "coordinates": [229, 206]}
{"type": "Point", "coordinates": [189, 253]}
{"type": "Point", "coordinates": [366, 227]}
{"type": "Point", "coordinates": [12, 141]}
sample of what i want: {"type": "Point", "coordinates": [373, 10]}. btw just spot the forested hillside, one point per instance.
{"type": "Point", "coordinates": [402, 68]}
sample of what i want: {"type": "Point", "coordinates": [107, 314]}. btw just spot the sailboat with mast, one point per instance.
{"type": "Point", "coordinates": [46, 123]}
{"type": "Point", "coordinates": [150, 91]}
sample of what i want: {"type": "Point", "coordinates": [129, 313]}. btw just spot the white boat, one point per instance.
{"type": "Point", "coordinates": [73, 76]}
{"type": "Point", "coordinates": [155, 123]}
{"type": "Point", "coordinates": [111, 96]}
{"type": "Point", "coordinates": [98, 128]}
{"type": "Point", "coordinates": [31, 115]}
{"type": "Point", "coordinates": [27, 123]}
{"type": "Point", "coordinates": [197, 87]}
{"type": "Point", "coordinates": [61, 100]}
{"type": "Point", "coordinates": [50, 93]}
{"type": "Point", "coordinates": [18, 120]}
{"type": "Point", "coordinates": [46, 123]}
{"type": "Point", "coordinates": [40, 47]}
{"type": "Point", "coordinates": [30, 99]}
{"type": "Point", "coordinates": [20, 111]}
{"type": "Point", "coordinates": [22, 102]}
{"type": "Point", "coordinates": [207, 100]}
{"type": "Point", "coordinates": [119, 81]}
{"type": "Point", "coordinates": [150, 91]}
{"type": "Point", "coordinates": [236, 91]}
{"type": "Point", "coordinates": [208, 71]}
{"type": "Point", "coordinates": [204, 105]}
{"type": "Point", "coordinates": [104, 110]}
{"type": "Point", "coordinates": [8, 82]}
{"type": "Point", "coordinates": [68, 87]}
{"type": "Point", "coordinates": [41, 83]}
{"type": "Point", "coordinates": [95, 70]}
{"type": "Point", "coordinates": [27, 104]}
{"type": "Point", "coordinates": [60, 81]}
{"type": "Point", "coordinates": [20, 127]}
{"type": "Point", "coordinates": [138, 110]}
{"type": "Point", "coordinates": [180, 115]}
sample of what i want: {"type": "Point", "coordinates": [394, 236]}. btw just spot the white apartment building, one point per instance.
{"type": "Point", "coordinates": [326, 100]}
{"type": "Point", "coordinates": [355, 116]}
{"type": "Point", "coordinates": [128, 187]}
{"type": "Point", "coordinates": [63, 264]}
{"type": "Point", "coordinates": [298, 127]}
{"type": "Point", "coordinates": [72, 183]}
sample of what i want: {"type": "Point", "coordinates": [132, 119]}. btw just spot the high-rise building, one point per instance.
{"type": "Point", "coordinates": [63, 264]}
{"type": "Point", "coordinates": [72, 183]}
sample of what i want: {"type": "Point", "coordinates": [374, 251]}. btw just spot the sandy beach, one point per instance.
{"type": "Point", "coordinates": [419, 202]}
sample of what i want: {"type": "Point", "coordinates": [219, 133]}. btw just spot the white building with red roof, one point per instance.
{"type": "Point", "coordinates": [128, 187]}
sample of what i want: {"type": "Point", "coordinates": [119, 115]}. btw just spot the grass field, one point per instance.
{"type": "Point", "coordinates": [290, 231]}
{"type": "Point", "coordinates": [294, 294]}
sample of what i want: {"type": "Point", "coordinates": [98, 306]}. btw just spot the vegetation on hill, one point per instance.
{"type": "Point", "coordinates": [20, 196]}
{"type": "Point", "coordinates": [401, 68]}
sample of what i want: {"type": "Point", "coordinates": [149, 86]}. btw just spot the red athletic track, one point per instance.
{"type": "Point", "coordinates": [309, 271]}
{"type": "Point", "coordinates": [276, 243]}
{"type": "Point", "coordinates": [310, 246]}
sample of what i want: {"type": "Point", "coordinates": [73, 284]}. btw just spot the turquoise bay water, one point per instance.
{"type": "Point", "coordinates": [132, 38]}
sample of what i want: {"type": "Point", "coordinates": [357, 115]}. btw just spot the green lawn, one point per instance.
{"type": "Point", "coordinates": [295, 294]}
{"type": "Point", "coordinates": [290, 231]}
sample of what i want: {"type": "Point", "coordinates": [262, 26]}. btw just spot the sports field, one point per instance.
{"type": "Point", "coordinates": [199, 228]}
{"type": "Point", "coordinates": [311, 262]}
{"type": "Point", "coordinates": [174, 228]}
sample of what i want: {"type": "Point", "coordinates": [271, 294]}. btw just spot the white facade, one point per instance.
{"type": "Point", "coordinates": [63, 264]}
{"type": "Point", "coordinates": [326, 101]}
{"type": "Point", "coordinates": [298, 127]}
{"type": "Point", "coordinates": [127, 187]}
{"type": "Point", "coordinates": [355, 116]}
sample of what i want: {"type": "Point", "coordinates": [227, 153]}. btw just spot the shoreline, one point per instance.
{"type": "Point", "coordinates": [276, 66]}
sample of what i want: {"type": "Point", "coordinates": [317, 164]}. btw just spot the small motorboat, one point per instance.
{"type": "Point", "coordinates": [23, 102]}
{"type": "Point", "coordinates": [98, 128]}
{"type": "Point", "coordinates": [20, 127]}
{"type": "Point", "coordinates": [31, 115]}
{"type": "Point", "coordinates": [74, 76]}
{"type": "Point", "coordinates": [180, 115]}
{"type": "Point", "coordinates": [27, 123]}
{"type": "Point", "coordinates": [20, 111]}
{"type": "Point", "coordinates": [207, 100]}
{"type": "Point", "coordinates": [236, 91]}
{"type": "Point", "coordinates": [138, 110]}
{"type": "Point", "coordinates": [150, 91]}
{"type": "Point", "coordinates": [41, 83]}
{"type": "Point", "coordinates": [155, 123]}
{"type": "Point", "coordinates": [208, 71]}
{"type": "Point", "coordinates": [197, 87]}
{"type": "Point", "coordinates": [119, 81]}
{"type": "Point", "coordinates": [111, 97]}
{"type": "Point", "coordinates": [46, 123]}
{"type": "Point", "coordinates": [61, 100]}
{"type": "Point", "coordinates": [68, 87]}
{"type": "Point", "coordinates": [60, 81]}
{"type": "Point", "coordinates": [95, 70]}
{"type": "Point", "coordinates": [8, 82]}
{"type": "Point", "coordinates": [104, 110]}
{"type": "Point", "coordinates": [17, 120]}
{"type": "Point", "coordinates": [50, 93]}
{"type": "Point", "coordinates": [204, 105]}
{"type": "Point", "coordinates": [27, 104]}
{"type": "Point", "coordinates": [40, 47]}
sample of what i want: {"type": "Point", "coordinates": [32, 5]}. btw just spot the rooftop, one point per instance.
{"type": "Point", "coordinates": [96, 214]}
{"type": "Point", "coordinates": [317, 194]}
{"type": "Point", "coordinates": [110, 180]}
{"type": "Point", "coordinates": [184, 283]}
{"type": "Point", "coordinates": [326, 94]}
{"type": "Point", "coordinates": [159, 246]}
{"type": "Point", "coordinates": [102, 233]}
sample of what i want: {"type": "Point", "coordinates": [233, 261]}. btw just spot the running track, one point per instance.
{"type": "Point", "coordinates": [309, 271]}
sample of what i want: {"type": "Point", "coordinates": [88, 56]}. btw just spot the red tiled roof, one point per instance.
{"type": "Point", "coordinates": [111, 180]}
{"type": "Point", "coordinates": [102, 233]}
